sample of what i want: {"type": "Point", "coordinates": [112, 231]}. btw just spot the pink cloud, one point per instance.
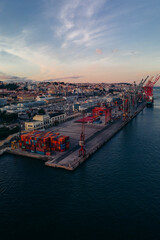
{"type": "Point", "coordinates": [99, 51]}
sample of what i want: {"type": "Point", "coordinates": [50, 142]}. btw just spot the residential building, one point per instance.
{"type": "Point", "coordinates": [3, 101]}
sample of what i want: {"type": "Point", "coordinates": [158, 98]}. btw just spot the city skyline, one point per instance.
{"type": "Point", "coordinates": [100, 41]}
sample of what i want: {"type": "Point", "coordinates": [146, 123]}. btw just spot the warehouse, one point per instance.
{"type": "Point", "coordinates": [45, 121]}
{"type": "Point", "coordinates": [33, 125]}
{"type": "Point", "coordinates": [57, 118]}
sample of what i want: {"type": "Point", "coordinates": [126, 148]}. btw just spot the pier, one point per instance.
{"type": "Point", "coordinates": [96, 137]}
{"type": "Point", "coordinates": [71, 161]}
{"type": "Point", "coordinates": [27, 154]}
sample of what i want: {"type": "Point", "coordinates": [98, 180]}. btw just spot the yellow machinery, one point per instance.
{"type": "Point", "coordinates": [14, 145]}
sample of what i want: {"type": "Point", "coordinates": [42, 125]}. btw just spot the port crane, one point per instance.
{"type": "Point", "coordinates": [149, 87]}
{"type": "Point", "coordinates": [131, 99]}
{"type": "Point", "coordinates": [82, 151]}
{"type": "Point", "coordinates": [125, 107]}
{"type": "Point", "coordinates": [149, 81]}
{"type": "Point", "coordinates": [143, 81]}
{"type": "Point", "coordinates": [100, 110]}
{"type": "Point", "coordinates": [140, 91]}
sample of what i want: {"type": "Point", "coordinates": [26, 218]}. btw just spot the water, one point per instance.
{"type": "Point", "coordinates": [113, 195]}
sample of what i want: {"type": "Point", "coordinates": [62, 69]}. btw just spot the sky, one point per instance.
{"type": "Point", "coordinates": [79, 40]}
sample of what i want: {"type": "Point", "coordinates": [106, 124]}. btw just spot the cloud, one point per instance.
{"type": "Point", "coordinates": [79, 22]}
{"type": "Point", "coordinates": [6, 77]}
{"type": "Point", "coordinates": [31, 60]}
{"type": "Point", "coordinates": [130, 53]}
{"type": "Point", "coordinates": [65, 78]}
{"type": "Point", "coordinates": [99, 51]}
{"type": "Point", "coordinates": [86, 23]}
{"type": "Point", "coordinates": [62, 38]}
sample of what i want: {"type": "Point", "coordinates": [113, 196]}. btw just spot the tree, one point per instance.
{"type": "Point", "coordinates": [111, 90]}
{"type": "Point", "coordinates": [9, 86]}
{"type": "Point", "coordinates": [29, 115]}
{"type": "Point", "coordinates": [41, 111]}
{"type": "Point", "coordinates": [9, 117]}
{"type": "Point", "coordinates": [5, 131]}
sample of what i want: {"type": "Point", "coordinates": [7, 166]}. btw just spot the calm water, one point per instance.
{"type": "Point", "coordinates": [114, 195]}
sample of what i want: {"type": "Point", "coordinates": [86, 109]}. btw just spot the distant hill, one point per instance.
{"type": "Point", "coordinates": [124, 83]}
{"type": "Point", "coordinates": [17, 80]}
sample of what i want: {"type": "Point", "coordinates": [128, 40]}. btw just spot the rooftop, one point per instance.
{"type": "Point", "coordinates": [56, 114]}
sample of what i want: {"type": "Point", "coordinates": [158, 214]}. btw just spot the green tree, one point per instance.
{"type": "Point", "coordinates": [41, 111]}
{"type": "Point", "coordinates": [9, 117]}
{"type": "Point", "coordinates": [29, 115]}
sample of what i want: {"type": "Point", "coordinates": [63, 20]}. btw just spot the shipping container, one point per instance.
{"type": "Point", "coordinates": [41, 142]}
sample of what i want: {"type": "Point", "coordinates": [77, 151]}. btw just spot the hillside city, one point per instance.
{"type": "Point", "coordinates": [26, 106]}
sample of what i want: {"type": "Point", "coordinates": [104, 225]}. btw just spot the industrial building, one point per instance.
{"type": "Point", "coordinates": [21, 107]}
{"type": "Point", "coordinates": [45, 121]}
{"type": "Point", "coordinates": [49, 100]}
{"type": "Point", "coordinates": [33, 125]}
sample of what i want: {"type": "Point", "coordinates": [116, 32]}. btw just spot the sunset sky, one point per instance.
{"type": "Point", "coordinates": [80, 40]}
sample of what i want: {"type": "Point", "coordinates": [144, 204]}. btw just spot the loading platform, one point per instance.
{"type": "Point", "coordinates": [71, 161]}
{"type": "Point", "coordinates": [97, 136]}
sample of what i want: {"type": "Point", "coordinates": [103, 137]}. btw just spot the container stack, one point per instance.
{"type": "Point", "coordinates": [44, 143]}
{"type": "Point", "coordinates": [60, 143]}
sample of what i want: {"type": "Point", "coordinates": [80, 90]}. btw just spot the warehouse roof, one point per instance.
{"type": "Point", "coordinates": [56, 114]}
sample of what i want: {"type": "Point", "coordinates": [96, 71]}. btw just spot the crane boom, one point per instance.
{"type": "Point", "coordinates": [145, 80]}
{"type": "Point", "coordinates": [149, 81]}
{"type": "Point", "coordinates": [156, 79]}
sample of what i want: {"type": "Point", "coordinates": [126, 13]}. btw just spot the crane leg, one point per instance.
{"type": "Point", "coordinates": [82, 152]}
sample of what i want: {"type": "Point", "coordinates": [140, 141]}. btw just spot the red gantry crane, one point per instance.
{"type": "Point", "coordinates": [139, 90]}
{"type": "Point", "coordinates": [125, 105]}
{"type": "Point", "coordinates": [100, 110]}
{"type": "Point", "coordinates": [148, 89]}
{"type": "Point", "coordinates": [82, 151]}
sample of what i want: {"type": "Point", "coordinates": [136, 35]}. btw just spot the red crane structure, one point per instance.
{"type": "Point", "coordinates": [100, 110]}
{"type": "Point", "coordinates": [132, 99]}
{"type": "Point", "coordinates": [139, 91]}
{"type": "Point", "coordinates": [82, 151]}
{"type": "Point", "coordinates": [125, 108]}
{"type": "Point", "coordinates": [148, 89]}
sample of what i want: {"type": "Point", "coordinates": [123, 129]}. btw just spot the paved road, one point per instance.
{"type": "Point", "coordinates": [6, 140]}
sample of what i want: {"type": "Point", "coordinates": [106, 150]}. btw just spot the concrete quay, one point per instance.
{"type": "Point", "coordinates": [3, 151]}
{"type": "Point", "coordinates": [27, 154]}
{"type": "Point", "coordinates": [96, 136]}
{"type": "Point", "coordinates": [71, 161]}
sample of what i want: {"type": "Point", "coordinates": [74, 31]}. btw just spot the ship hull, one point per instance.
{"type": "Point", "coordinates": [149, 104]}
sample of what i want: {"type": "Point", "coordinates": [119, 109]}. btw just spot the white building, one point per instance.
{"type": "Point", "coordinates": [57, 118]}
{"type": "Point", "coordinates": [34, 125]}
{"type": "Point", "coordinates": [45, 121]}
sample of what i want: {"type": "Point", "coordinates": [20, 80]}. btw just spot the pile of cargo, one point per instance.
{"type": "Point", "coordinates": [44, 143]}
